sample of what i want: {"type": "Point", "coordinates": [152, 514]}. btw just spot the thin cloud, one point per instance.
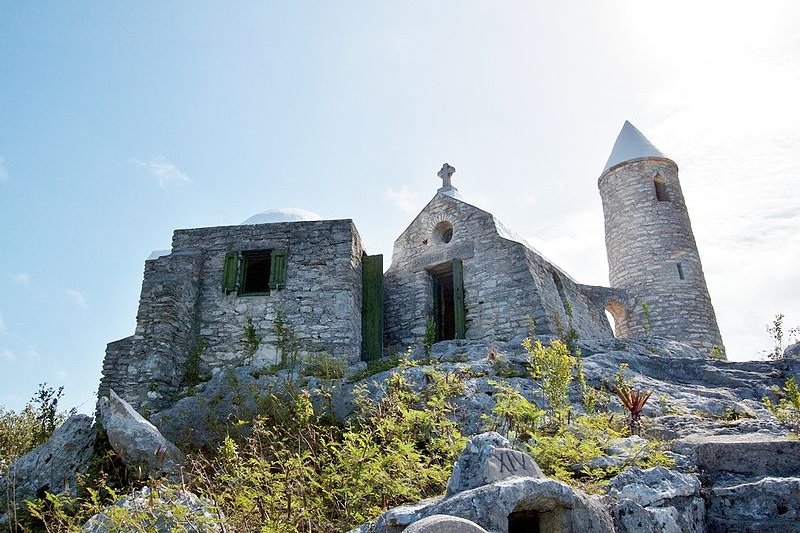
{"type": "Point", "coordinates": [76, 297]}
{"type": "Point", "coordinates": [23, 278]}
{"type": "Point", "coordinates": [7, 355]}
{"type": "Point", "coordinates": [164, 170]}
{"type": "Point", "coordinates": [3, 171]}
{"type": "Point", "coordinates": [406, 200]}
{"type": "Point", "coordinates": [3, 329]}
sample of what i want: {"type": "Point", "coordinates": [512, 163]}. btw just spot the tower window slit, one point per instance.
{"type": "Point", "coordinates": [661, 189]}
{"type": "Point", "coordinates": [680, 271]}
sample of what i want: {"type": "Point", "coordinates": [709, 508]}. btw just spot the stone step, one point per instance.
{"type": "Point", "coordinates": [747, 456]}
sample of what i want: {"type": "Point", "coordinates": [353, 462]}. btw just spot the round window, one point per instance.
{"type": "Point", "coordinates": [443, 232]}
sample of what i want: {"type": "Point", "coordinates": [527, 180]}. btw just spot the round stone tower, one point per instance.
{"type": "Point", "coordinates": [652, 253]}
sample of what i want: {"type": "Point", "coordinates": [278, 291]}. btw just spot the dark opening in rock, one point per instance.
{"type": "Point", "coordinates": [523, 522]}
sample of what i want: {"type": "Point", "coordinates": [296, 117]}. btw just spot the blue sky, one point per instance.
{"type": "Point", "coordinates": [120, 122]}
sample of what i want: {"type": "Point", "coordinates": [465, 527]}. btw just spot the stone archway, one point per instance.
{"type": "Point", "coordinates": [621, 318]}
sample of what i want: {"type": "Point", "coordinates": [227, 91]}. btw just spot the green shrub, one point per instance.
{"type": "Point", "coordinates": [787, 410]}
{"type": "Point", "coordinates": [325, 366]}
{"type": "Point", "coordinates": [552, 367]}
{"type": "Point", "coordinates": [297, 473]}
{"type": "Point", "coordinates": [563, 451]}
{"type": "Point", "coordinates": [376, 366]}
{"type": "Point", "coordinates": [513, 415]}
{"type": "Point", "coordinates": [251, 339]}
{"type": "Point", "coordinates": [21, 432]}
{"type": "Point", "coordinates": [647, 319]}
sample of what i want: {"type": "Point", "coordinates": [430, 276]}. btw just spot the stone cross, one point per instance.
{"type": "Point", "coordinates": [445, 174]}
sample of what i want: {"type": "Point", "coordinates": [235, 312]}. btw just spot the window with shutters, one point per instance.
{"type": "Point", "coordinates": [254, 272]}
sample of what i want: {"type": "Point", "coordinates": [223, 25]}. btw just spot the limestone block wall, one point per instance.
{"type": "Point", "coordinates": [321, 300]}
{"type": "Point", "coordinates": [505, 283]}
{"type": "Point", "coordinates": [115, 365]}
{"type": "Point", "coordinates": [652, 253]}
{"type": "Point", "coordinates": [183, 304]}
{"type": "Point", "coordinates": [147, 368]}
{"type": "Point", "coordinates": [560, 295]}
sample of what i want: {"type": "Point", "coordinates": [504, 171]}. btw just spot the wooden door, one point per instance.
{"type": "Point", "coordinates": [371, 307]}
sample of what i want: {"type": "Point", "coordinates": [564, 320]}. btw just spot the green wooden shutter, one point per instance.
{"type": "Point", "coordinates": [277, 272]}
{"type": "Point", "coordinates": [229, 277]}
{"type": "Point", "coordinates": [459, 311]}
{"type": "Point", "coordinates": [371, 307]}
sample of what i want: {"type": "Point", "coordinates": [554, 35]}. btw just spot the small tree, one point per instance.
{"type": "Point", "coordinates": [776, 331]}
{"type": "Point", "coordinates": [551, 367]}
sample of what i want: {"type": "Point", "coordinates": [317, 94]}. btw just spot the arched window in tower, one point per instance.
{"type": "Point", "coordinates": [661, 188]}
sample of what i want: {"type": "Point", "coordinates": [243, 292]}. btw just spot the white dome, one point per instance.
{"type": "Point", "coordinates": [283, 214]}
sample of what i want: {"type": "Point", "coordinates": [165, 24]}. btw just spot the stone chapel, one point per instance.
{"type": "Point", "coordinates": [455, 265]}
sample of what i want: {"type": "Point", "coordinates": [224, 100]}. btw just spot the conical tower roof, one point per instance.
{"type": "Point", "coordinates": [630, 145]}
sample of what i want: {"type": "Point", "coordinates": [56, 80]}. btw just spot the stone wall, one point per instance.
{"type": "Point", "coordinates": [147, 369]}
{"type": "Point", "coordinates": [183, 306]}
{"type": "Point", "coordinates": [646, 240]}
{"type": "Point", "coordinates": [505, 283]}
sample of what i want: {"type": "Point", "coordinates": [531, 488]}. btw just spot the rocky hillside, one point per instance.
{"type": "Point", "coordinates": [726, 463]}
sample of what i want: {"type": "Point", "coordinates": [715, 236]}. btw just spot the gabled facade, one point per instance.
{"type": "Point", "coordinates": [458, 266]}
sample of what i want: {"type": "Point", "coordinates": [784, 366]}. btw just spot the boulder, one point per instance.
{"type": "Point", "coordinates": [232, 395]}
{"type": "Point", "coordinates": [630, 517]}
{"type": "Point", "coordinates": [488, 458]}
{"type": "Point", "coordinates": [792, 351]}
{"type": "Point", "coordinates": [52, 466]}
{"type": "Point", "coordinates": [653, 486]}
{"type": "Point", "coordinates": [527, 504]}
{"type": "Point", "coordinates": [440, 523]}
{"type": "Point", "coordinates": [657, 499]}
{"type": "Point", "coordinates": [142, 448]}
{"type": "Point", "coordinates": [511, 504]}
{"type": "Point", "coordinates": [163, 510]}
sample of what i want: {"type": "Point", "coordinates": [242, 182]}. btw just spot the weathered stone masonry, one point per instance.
{"type": "Point", "coordinates": [506, 283]}
{"type": "Point", "coordinates": [183, 301]}
{"type": "Point", "coordinates": [455, 263]}
{"type": "Point", "coordinates": [652, 253]}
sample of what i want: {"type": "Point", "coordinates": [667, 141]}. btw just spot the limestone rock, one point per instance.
{"type": "Point", "coordinates": [163, 511]}
{"type": "Point", "coordinates": [519, 503]}
{"type": "Point", "coordinates": [657, 499]}
{"type": "Point", "coordinates": [792, 351]}
{"type": "Point", "coordinates": [138, 443]}
{"type": "Point", "coordinates": [630, 517]}
{"type": "Point", "coordinates": [487, 458]}
{"type": "Point", "coordinates": [654, 486]}
{"type": "Point", "coordinates": [750, 456]}
{"type": "Point", "coordinates": [768, 504]}
{"type": "Point", "coordinates": [527, 503]}
{"type": "Point", "coordinates": [440, 523]}
{"type": "Point", "coordinates": [52, 466]}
